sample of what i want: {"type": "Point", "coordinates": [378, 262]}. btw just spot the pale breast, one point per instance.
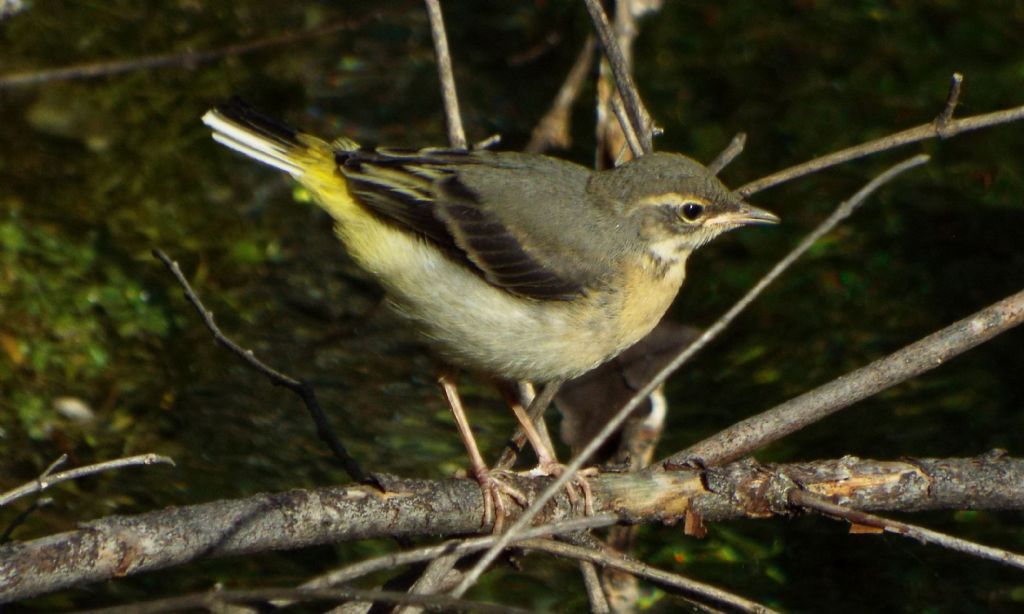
{"type": "Point", "coordinates": [479, 326]}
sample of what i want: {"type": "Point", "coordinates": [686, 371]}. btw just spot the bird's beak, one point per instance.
{"type": "Point", "coordinates": [745, 214]}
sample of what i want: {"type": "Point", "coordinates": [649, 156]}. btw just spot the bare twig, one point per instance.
{"type": "Point", "coordinates": [553, 129]}
{"type": "Point", "coordinates": [186, 59]}
{"type": "Point", "coordinates": [217, 599]}
{"type": "Point", "coordinates": [436, 578]}
{"type": "Point", "coordinates": [951, 101]}
{"type": "Point", "coordinates": [491, 141]}
{"type": "Point", "coordinates": [639, 120]}
{"type": "Point", "coordinates": [938, 128]}
{"type": "Point", "coordinates": [733, 149]}
{"type": "Point", "coordinates": [842, 212]}
{"type": "Point", "coordinates": [910, 361]}
{"type": "Point", "coordinates": [299, 387]}
{"type": "Point", "coordinates": [59, 462]}
{"type": "Point", "coordinates": [658, 576]}
{"type": "Point", "coordinates": [595, 592]}
{"type": "Point", "coordinates": [45, 480]}
{"type": "Point", "coordinates": [22, 516]}
{"type": "Point", "coordinates": [456, 134]}
{"type": "Point", "coordinates": [460, 548]}
{"type": "Point", "coordinates": [599, 601]}
{"type": "Point", "coordinates": [821, 504]}
{"type": "Point", "coordinates": [635, 146]}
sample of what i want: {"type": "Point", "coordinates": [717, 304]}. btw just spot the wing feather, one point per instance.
{"type": "Point", "coordinates": [421, 192]}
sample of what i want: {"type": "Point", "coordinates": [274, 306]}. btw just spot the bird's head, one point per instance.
{"type": "Point", "coordinates": [675, 203]}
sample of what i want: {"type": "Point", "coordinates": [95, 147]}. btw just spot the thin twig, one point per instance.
{"type": "Point", "coordinates": [639, 120]}
{"type": "Point", "coordinates": [491, 141]}
{"type": "Point", "coordinates": [553, 129]}
{"type": "Point", "coordinates": [40, 502]}
{"type": "Point", "coordinates": [658, 576]}
{"type": "Point", "coordinates": [63, 458]}
{"type": "Point", "coordinates": [186, 59]}
{"type": "Point", "coordinates": [599, 602]}
{"type": "Point", "coordinates": [733, 149]}
{"type": "Point", "coordinates": [918, 357]}
{"type": "Point", "coordinates": [456, 134]}
{"type": "Point", "coordinates": [952, 99]}
{"type": "Point", "coordinates": [931, 130]}
{"type": "Point", "coordinates": [45, 480]}
{"type": "Point", "coordinates": [841, 213]}
{"type": "Point", "coordinates": [215, 600]}
{"type": "Point", "coordinates": [595, 592]}
{"type": "Point", "coordinates": [634, 144]}
{"type": "Point", "coordinates": [436, 578]}
{"type": "Point", "coordinates": [299, 387]}
{"type": "Point", "coordinates": [461, 547]}
{"type": "Point", "coordinates": [821, 504]}
{"type": "Point", "coordinates": [21, 517]}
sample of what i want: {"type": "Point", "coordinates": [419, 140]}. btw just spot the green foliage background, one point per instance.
{"type": "Point", "coordinates": [96, 173]}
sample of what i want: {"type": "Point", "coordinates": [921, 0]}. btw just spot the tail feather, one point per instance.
{"type": "Point", "coordinates": [242, 128]}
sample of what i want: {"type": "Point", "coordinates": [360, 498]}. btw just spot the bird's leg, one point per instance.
{"type": "Point", "coordinates": [491, 487]}
{"type": "Point", "coordinates": [531, 421]}
{"type": "Point", "coordinates": [541, 443]}
{"type": "Point", "coordinates": [516, 396]}
{"type": "Point", "coordinates": [525, 395]}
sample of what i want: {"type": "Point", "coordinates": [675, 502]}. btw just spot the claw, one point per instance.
{"type": "Point", "coordinates": [494, 491]}
{"type": "Point", "coordinates": [555, 469]}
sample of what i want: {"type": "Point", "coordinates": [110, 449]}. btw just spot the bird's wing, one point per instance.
{"type": "Point", "coordinates": [422, 192]}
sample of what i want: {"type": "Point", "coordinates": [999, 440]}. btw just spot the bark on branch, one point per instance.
{"type": "Point", "coordinates": [125, 545]}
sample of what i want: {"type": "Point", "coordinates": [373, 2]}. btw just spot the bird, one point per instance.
{"type": "Point", "coordinates": [520, 266]}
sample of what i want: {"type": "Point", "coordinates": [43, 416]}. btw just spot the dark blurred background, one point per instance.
{"type": "Point", "coordinates": [100, 357]}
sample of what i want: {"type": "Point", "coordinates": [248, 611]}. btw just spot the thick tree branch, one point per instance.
{"type": "Point", "coordinates": [126, 545]}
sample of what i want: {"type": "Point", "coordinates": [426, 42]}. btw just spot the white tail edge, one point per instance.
{"type": "Point", "coordinates": [250, 143]}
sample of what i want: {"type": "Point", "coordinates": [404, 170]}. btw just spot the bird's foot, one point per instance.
{"type": "Point", "coordinates": [494, 490]}
{"type": "Point", "coordinates": [550, 468]}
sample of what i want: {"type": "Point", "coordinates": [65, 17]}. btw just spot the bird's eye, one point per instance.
{"type": "Point", "coordinates": [692, 211]}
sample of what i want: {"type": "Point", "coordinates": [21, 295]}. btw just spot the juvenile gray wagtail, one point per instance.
{"type": "Point", "coordinates": [518, 265]}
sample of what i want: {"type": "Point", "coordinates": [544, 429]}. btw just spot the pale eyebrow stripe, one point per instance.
{"type": "Point", "coordinates": [672, 198]}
